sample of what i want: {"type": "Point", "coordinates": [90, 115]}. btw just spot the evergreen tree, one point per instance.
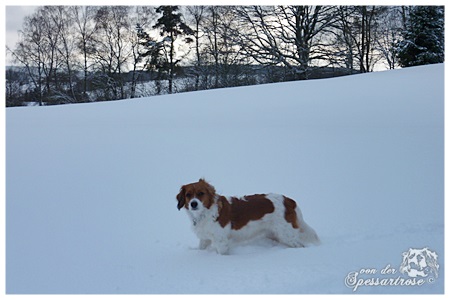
{"type": "Point", "coordinates": [423, 39]}
{"type": "Point", "coordinates": [156, 60]}
{"type": "Point", "coordinates": [171, 26]}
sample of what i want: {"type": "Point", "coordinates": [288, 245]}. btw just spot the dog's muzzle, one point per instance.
{"type": "Point", "coordinates": [194, 204]}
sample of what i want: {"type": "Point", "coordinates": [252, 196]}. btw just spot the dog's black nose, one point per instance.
{"type": "Point", "coordinates": [194, 204]}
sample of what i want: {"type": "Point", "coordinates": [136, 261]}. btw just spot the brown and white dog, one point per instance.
{"type": "Point", "coordinates": [219, 221]}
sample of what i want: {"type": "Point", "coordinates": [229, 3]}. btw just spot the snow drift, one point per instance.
{"type": "Point", "coordinates": [90, 188]}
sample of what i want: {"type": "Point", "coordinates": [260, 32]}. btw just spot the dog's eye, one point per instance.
{"type": "Point", "coordinates": [199, 194]}
{"type": "Point", "coordinates": [188, 195]}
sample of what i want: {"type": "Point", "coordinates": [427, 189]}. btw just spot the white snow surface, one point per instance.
{"type": "Point", "coordinates": [90, 188]}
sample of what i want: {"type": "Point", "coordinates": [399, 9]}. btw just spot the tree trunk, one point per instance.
{"type": "Point", "coordinates": [171, 66]}
{"type": "Point", "coordinates": [363, 40]}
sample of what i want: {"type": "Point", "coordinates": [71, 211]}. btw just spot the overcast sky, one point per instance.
{"type": "Point", "coordinates": [14, 21]}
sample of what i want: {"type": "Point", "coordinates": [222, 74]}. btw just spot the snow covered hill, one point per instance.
{"type": "Point", "coordinates": [90, 188]}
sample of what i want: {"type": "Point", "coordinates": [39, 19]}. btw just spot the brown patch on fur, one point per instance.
{"type": "Point", "coordinates": [290, 214]}
{"type": "Point", "coordinates": [224, 209]}
{"type": "Point", "coordinates": [200, 190]}
{"type": "Point", "coordinates": [250, 208]}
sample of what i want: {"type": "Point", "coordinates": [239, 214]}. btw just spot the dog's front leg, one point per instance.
{"type": "Point", "coordinates": [204, 243]}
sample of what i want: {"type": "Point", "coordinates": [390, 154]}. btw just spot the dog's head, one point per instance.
{"type": "Point", "coordinates": [419, 262]}
{"type": "Point", "coordinates": [196, 196]}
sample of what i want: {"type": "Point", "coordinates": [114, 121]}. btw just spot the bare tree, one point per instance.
{"type": "Point", "coordinates": [66, 46]}
{"type": "Point", "coordinates": [212, 33]}
{"type": "Point", "coordinates": [30, 51]}
{"type": "Point", "coordinates": [197, 13]}
{"type": "Point", "coordinates": [221, 28]}
{"type": "Point", "coordinates": [357, 35]}
{"type": "Point", "coordinates": [85, 28]}
{"type": "Point", "coordinates": [52, 27]}
{"type": "Point", "coordinates": [390, 29]}
{"type": "Point", "coordinates": [344, 49]}
{"type": "Point", "coordinates": [286, 35]}
{"type": "Point", "coordinates": [365, 43]}
{"type": "Point", "coordinates": [111, 48]}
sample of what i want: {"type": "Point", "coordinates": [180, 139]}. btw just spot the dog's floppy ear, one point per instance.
{"type": "Point", "coordinates": [181, 199]}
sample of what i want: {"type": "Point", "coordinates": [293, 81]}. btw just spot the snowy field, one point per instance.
{"type": "Point", "coordinates": [90, 188]}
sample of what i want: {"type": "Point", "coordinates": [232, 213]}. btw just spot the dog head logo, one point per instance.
{"type": "Point", "coordinates": [419, 263]}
